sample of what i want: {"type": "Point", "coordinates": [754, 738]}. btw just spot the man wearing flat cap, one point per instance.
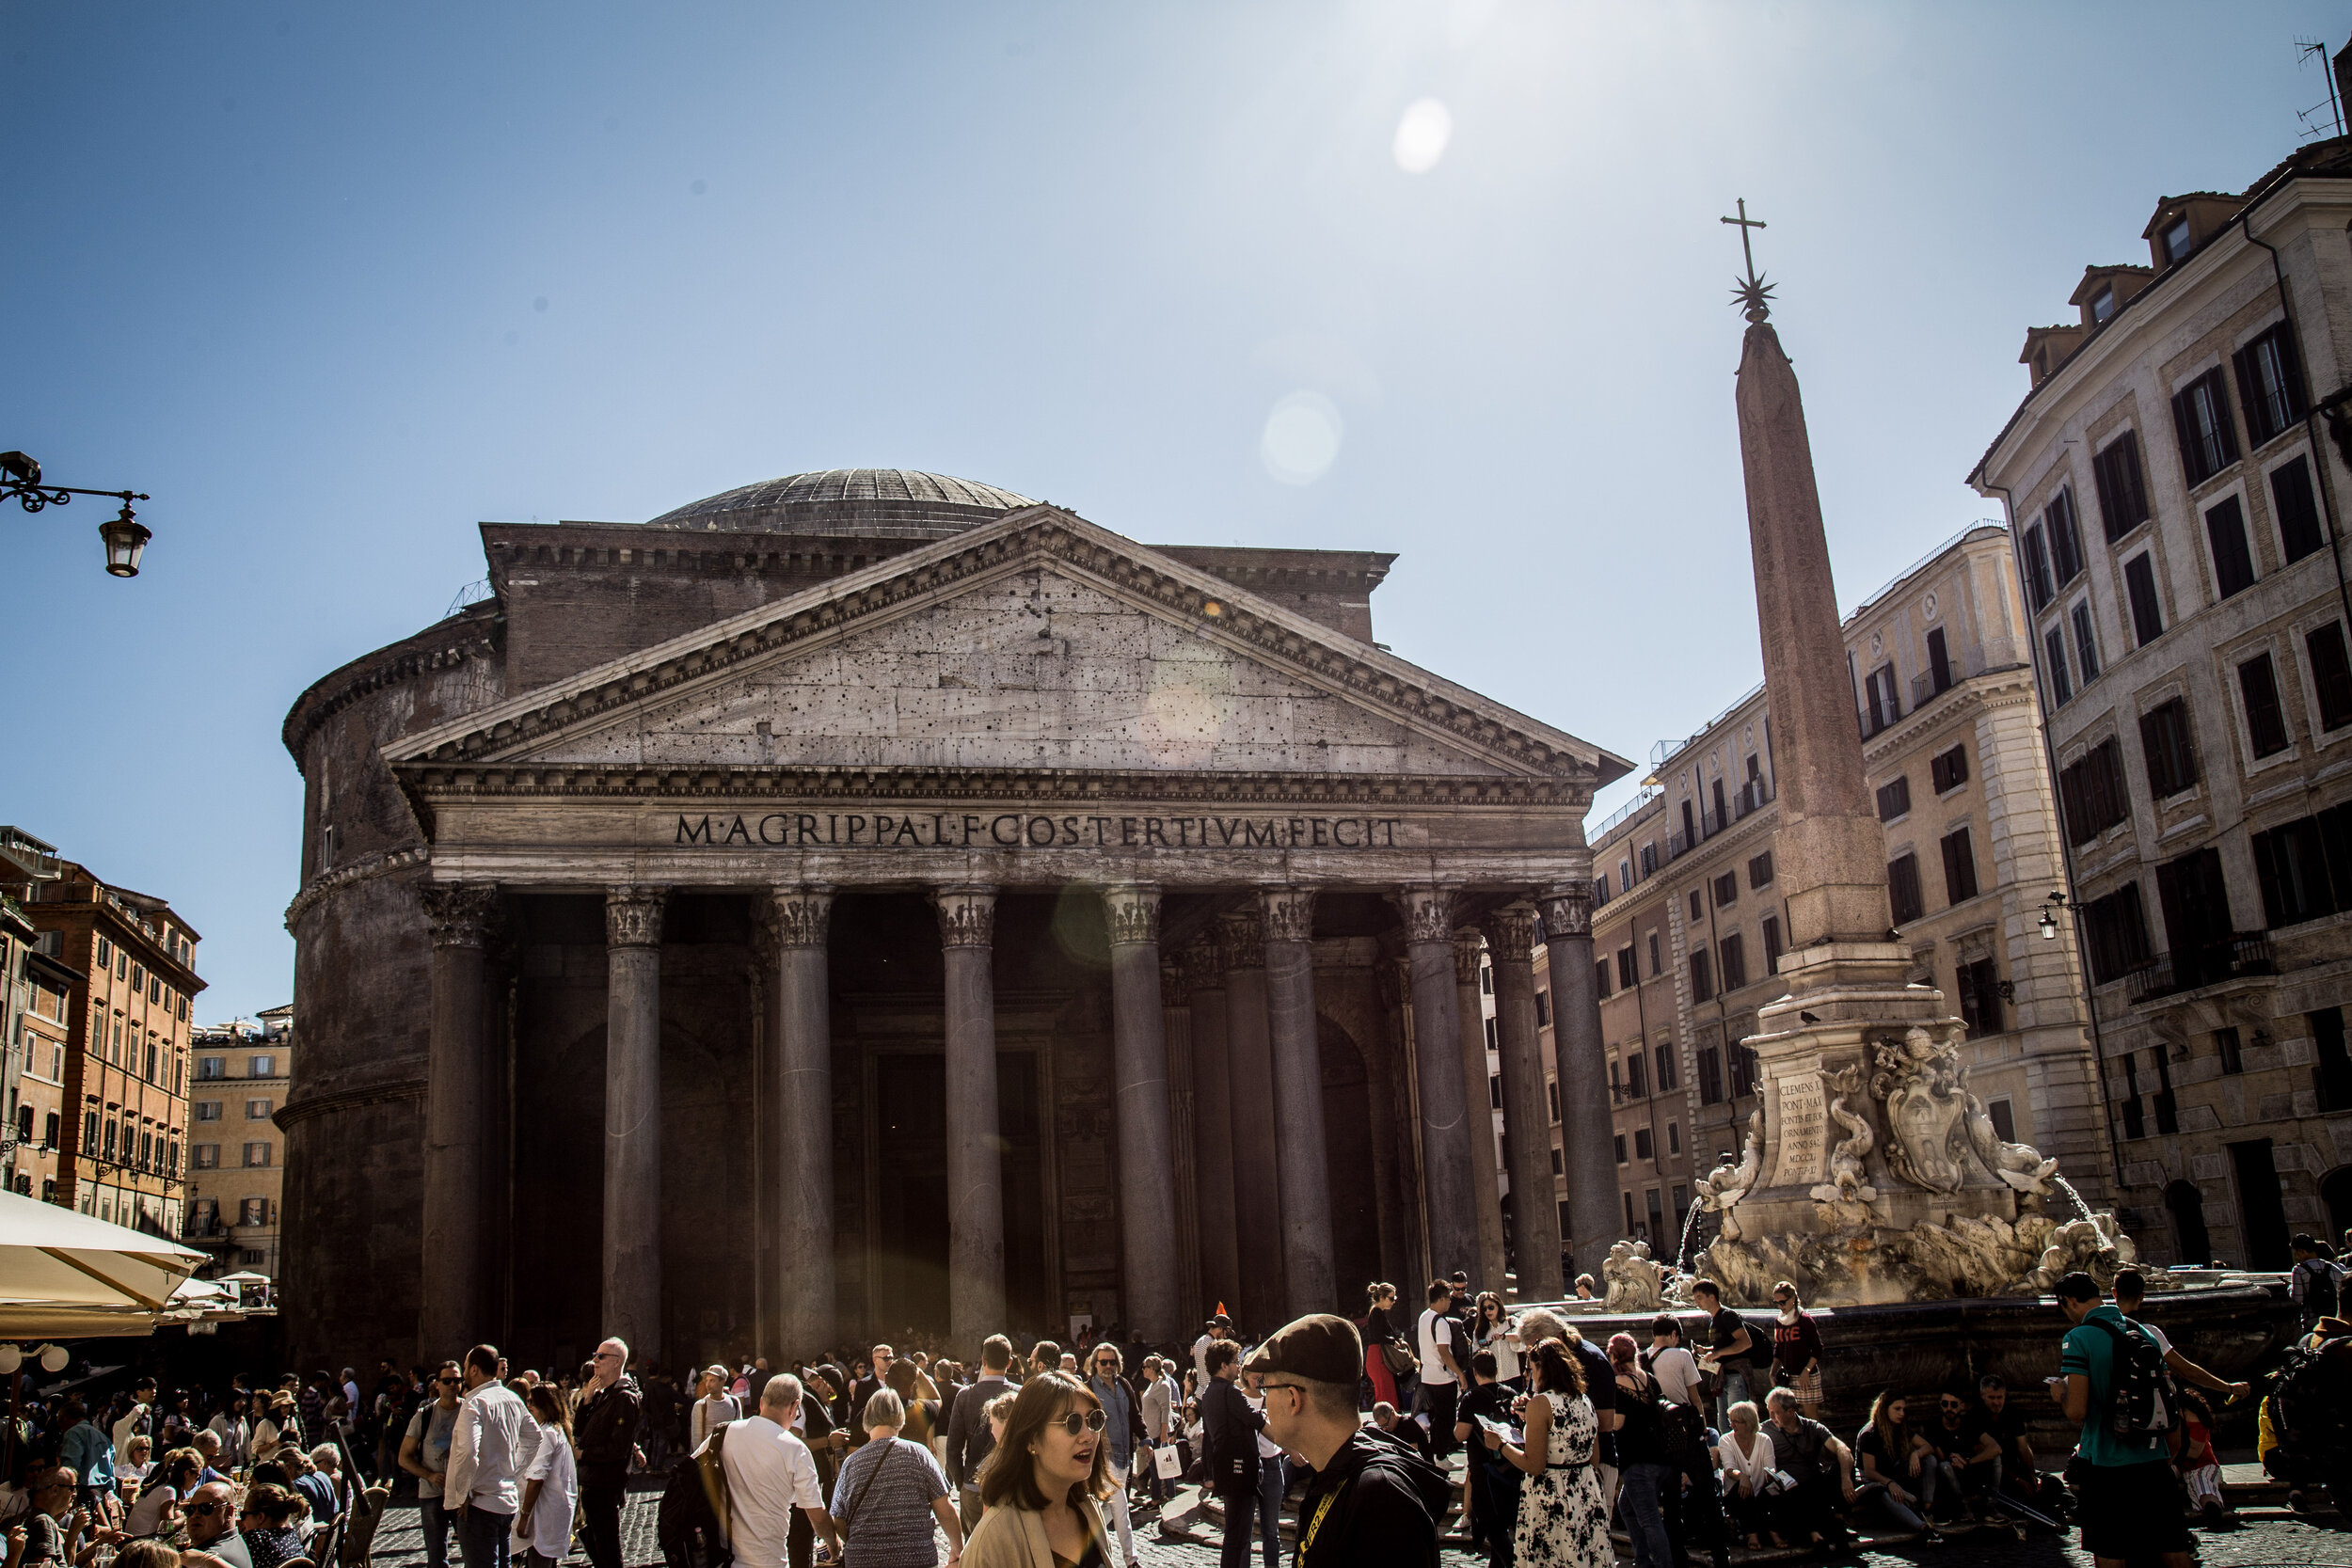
{"type": "Point", "coordinates": [1373, 1502]}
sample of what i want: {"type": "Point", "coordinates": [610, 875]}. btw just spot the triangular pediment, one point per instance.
{"type": "Point", "coordinates": [1037, 642]}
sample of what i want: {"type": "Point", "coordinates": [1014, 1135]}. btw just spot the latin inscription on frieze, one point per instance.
{"type": "Point", "coordinates": [1797, 1130]}
{"type": "Point", "coordinates": [1023, 831]}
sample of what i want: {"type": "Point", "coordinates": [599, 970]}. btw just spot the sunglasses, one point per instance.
{"type": "Point", "coordinates": [207, 1508]}
{"type": "Point", "coordinates": [1077, 1421]}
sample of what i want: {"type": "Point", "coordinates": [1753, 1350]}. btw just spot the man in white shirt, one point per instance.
{"type": "Point", "coordinates": [1162, 1405]}
{"type": "Point", "coordinates": [770, 1473]}
{"type": "Point", "coordinates": [1441, 1369]}
{"type": "Point", "coordinates": [1675, 1368]}
{"type": "Point", "coordinates": [1220, 1327]}
{"type": "Point", "coordinates": [481, 1486]}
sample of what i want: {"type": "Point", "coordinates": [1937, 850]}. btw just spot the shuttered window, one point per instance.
{"type": "Point", "coordinates": [2054, 668]}
{"type": "Point", "coordinates": [2233, 561]}
{"type": "Point", "coordinates": [2265, 721]}
{"type": "Point", "coordinates": [1949, 769]}
{"type": "Point", "coordinates": [1735, 965]}
{"type": "Point", "coordinates": [1960, 867]}
{"type": "Point", "coordinates": [2270, 383]}
{"type": "Point", "coordinates": [1894, 799]}
{"type": "Point", "coordinates": [2331, 674]}
{"type": "Point", "coordinates": [2066, 543]}
{"type": "Point", "coordinates": [2200, 418]}
{"type": "Point", "coordinates": [2116, 929]}
{"type": "Point", "coordinates": [2086, 643]}
{"type": "Point", "coordinates": [1903, 889]}
{"type": "Point", "coordinates": [2122, 494]}
{"type": "Point", "coordinates": [2091, 793]}
{"type": "Point", "coordinates": [2036, 548]}
{"type": "Point", "coordinates": [1702, 978]}
{"type": "Point", "coordinates": [2139, 584]}
{"type": "Point", "coordinates": [2166, 740]}
{"type": "Point", "coordinates": [2297, 509]}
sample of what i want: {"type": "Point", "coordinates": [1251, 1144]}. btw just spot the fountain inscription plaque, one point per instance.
{"type": "Point", "coordinates": [1801, 1123]}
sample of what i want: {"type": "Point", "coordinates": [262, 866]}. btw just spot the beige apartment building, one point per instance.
{"type": "Point", "coordinates": [1688, 926]}
{"type": "Point", "coordinates": [237, 1155]}
{"type": "Point", "coordinates": [2174, 479]}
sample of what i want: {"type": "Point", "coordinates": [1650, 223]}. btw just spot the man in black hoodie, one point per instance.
{"type": "Point", "coordinates": [1372, 1503]}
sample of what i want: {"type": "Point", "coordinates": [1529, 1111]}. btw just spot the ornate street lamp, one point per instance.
{"type": "Point", "coordinates": [2051, 907]}
{"type": "Point", "coordinates": [125, 536]}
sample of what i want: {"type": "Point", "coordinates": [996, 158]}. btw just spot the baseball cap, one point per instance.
{"type": "Point", "coordinates": [1319, 1348]}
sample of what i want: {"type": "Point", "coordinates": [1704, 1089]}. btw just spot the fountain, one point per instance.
{"type": "Point", "coordinates": [1869, 1174]}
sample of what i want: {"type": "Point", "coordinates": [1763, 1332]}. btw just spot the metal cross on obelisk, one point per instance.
{"type": "Point", "coordinates": [1752, 291]}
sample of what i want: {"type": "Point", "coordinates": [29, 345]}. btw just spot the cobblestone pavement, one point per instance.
{"type": "Point", "coordinates": [2263, 1542]}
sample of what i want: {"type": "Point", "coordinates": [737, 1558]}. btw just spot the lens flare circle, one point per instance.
{"type": "Point", "coordinates": [1301, 438]}
{"type": "Point", "coordinates": [1421, 134]}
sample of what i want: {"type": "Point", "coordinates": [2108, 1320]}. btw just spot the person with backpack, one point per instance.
{"type": "Point", "coordinates": [1372, 1503]}
{"type": "Point", "coordinates": [1733, 1350]}
{"type": "Point", "coordinates": [2131, 1290]}
{"type": "Point", "coordinates": [2315, 1284]}
{"type": "Point", "coordinates": [1644, 1453]}
{"type": "Point", "coordinates": [2112, 1383]}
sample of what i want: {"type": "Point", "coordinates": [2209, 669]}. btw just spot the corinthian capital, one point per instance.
{"type": "Point", "coordinates": [1203, 962]}
{"type": "Point", "coordinates": [1567, 912]}
{"type": "Point", "coordinates": [632, 916]}
{"type": "Point", "coordinates": [1511, 932]}
{"type": "Point", "coordinates": [967, 916]}
{"type": "Point", "coordinates": [1290, 913]}
{"type": "Point", "coordinates": [457, 913]}
{"type": "Point", "coordinates": [1427, 913]}
{"type": "Point", "coordinates": [1132, 911]}
{"type": "Point", "coordinates": [1470, 950]}
{"type": "Point", "coordinates": [802, 914]}
{"type": "Point", "coordinates": [1244, 940]}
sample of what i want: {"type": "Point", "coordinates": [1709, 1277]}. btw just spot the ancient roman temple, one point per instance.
{"type": "Point", "coordinates": [872, 902]}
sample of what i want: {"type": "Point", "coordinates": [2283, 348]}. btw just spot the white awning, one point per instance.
{"type": "Point", "coordinates": [64, 1275]}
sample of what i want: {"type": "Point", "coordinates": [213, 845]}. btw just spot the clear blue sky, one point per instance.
{"type": "Point", "coordinates": [333, 283]}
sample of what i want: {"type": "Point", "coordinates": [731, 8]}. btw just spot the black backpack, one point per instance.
{"type": "Point", "coordinates": [1645, 1438]}
{"type": "Point", "coordinates": [2309, 1405]}
{"type": "Point", "coordinates": [2143, 1399]}
{"type": "Point", "coordinates": [2320, 1288]}
{"type": "Point", "coordinates": [688, 1525]}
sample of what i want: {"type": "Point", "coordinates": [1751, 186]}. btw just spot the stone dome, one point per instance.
{"type": "Point", "coordinates": [889, 503]}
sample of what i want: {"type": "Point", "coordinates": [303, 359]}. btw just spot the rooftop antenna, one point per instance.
{"type": "Point", "coordinates": [2309, 49]}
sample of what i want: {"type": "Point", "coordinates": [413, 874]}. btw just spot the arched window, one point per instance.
{"type": "Point", "coordinates": [2190, 1244]}
{"type": "Point", "coordinates": [2335, 1191]}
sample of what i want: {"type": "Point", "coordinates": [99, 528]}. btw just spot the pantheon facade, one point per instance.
{"type": "Point", "coordinates": [872, 902]}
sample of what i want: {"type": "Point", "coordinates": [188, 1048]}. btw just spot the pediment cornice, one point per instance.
{"type": "Point", "coordinates": [1250, 626]}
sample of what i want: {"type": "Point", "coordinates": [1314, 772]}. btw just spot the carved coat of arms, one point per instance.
{"type": "Point", "coordinates": [1919, 1082]}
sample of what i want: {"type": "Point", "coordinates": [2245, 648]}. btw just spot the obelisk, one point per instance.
{"type": "Point", "coordinates": [1847, 971]}
{"type": "Point", "coordinates": [1831, 852]}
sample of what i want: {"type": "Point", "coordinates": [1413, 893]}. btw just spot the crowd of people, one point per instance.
{"type": "Point", "coordinates": [1705, 1440]}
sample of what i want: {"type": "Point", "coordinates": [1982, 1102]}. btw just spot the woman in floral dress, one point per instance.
{"type": "Point", "coordinates": [1563, 1521]}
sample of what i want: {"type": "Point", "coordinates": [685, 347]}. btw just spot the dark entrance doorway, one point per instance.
{"type": "Point", "coordinates": [2190, 1244]}
{"type": "Point", "coordinates": [2261, 1206]}
{"type": "Point", "coordinates": [910, 1228]}
{"type": "Point", "coordinates": [2335, 1191]}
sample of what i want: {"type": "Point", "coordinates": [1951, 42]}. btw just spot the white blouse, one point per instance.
{"type": "Point", "coordinates": [1754, 1465]}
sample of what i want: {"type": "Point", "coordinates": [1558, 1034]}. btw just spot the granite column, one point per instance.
{"type": "Point", "coordinates": [799, 1100]}
{"type": "Point", "coordinates": [975, 1183]}
{"type": "Point", "coordinates": [1587, 1129]}
{"type": "Point", "coordinates": [459, 1158]}
{"type": "Point", "coordinates": [1140, 1093]}
{"type": "Point", "coordinates": [632, 1118]}
{"type": "Point", "coordinates": [1213, 1122]}
{"type": "Point", "coordinates": [1257, 1188]}
{"type": "Point", "coordinates": [1534, 1222]}
{"type": "Point", "coordinates": [1470, 950]}
{"type": "Point", "coordinates": [1445, 1137]}
{"type": "Point", "coordinates": [1309, 1265]}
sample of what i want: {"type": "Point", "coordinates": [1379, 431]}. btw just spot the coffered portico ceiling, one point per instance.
{"type": "Point", "coordinates": [1036, 699]}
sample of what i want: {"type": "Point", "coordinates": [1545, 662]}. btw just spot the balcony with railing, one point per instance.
{"type": "Point", "coordinates": [2243, 954]}
{"type": "Point", "coordinates": [1754, 797]}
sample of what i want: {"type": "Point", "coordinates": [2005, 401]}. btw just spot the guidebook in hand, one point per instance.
{"type": "Point", "coordinates": [1504, 1430]}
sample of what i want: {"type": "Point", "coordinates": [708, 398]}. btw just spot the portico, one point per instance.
{"type": "Point", "coordinates": [886, 877]}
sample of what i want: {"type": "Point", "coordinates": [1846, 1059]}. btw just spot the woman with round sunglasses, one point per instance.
{"type": "Point", "coordinates": [1040, 1486]}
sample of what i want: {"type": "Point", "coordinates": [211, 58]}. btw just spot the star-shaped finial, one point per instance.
{"type": "Point", "coordinates": [1754, 296]}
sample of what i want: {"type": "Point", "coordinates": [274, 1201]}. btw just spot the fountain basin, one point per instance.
{"type": "Point", "coordinates": [2232, 1323]}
